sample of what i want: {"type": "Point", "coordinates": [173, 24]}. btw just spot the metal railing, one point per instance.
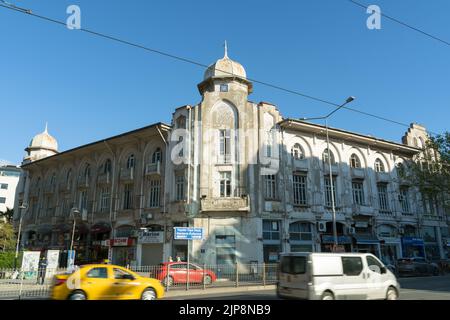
{"type": "Point", "coordinates": [16, 284]}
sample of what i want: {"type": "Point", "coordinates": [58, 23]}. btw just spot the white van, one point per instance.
{"type": "Point", "coordinates": [329, 276]}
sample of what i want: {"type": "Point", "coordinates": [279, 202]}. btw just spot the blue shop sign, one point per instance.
{"type": "Point", "coordinates": [413, 241]}
{"type": "Point", "coordinates": [341, 239]}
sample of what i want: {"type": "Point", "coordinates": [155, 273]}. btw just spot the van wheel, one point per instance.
{"type": "Point", "coordinates": [391, 294]}
{"type": "Point", "coordinates": [327, 295]}
{"type": "Point", "coordinates": [77, 295]}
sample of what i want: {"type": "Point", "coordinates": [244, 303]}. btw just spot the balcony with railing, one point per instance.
{"type": "Point", "coordinates": [223, 159]}
{"type": "Point", "coordinates": [104, 178]}
{"type": "Point", "coordinates": [382, 176]}
{"type": "Point", "coordinates": [357, 173]}
{"type": "Point", "coordinates": [83, 182]}
{"type": "Point", "coordinates": [240, 201]}
{"type": "Point", "coordinates": [153, 168]}
{"type": "Point", "coordinates": [127, 174]}
{"type": "Point", "coordinates": [364, 210]}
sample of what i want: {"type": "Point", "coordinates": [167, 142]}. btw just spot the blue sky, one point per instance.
{"type": "Point", "coordinates": [89, 88]}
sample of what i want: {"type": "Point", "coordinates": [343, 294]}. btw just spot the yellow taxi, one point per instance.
{"type": "Point", "coordinates": [105, 282]}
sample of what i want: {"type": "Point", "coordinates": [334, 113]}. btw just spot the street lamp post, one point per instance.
{"type": "Point", "coordinates": [22, 207]}
{"type": "Point", "coordinates": [75, 211]}
{"type": "Point", "coordinates": [333, 206]}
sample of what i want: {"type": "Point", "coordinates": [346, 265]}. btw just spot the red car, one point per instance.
{"type": "Point", "coordinates": [178, 273]}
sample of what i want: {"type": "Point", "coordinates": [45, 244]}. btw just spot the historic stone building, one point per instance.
{"type": "Point", "coordinates": [257, 183]}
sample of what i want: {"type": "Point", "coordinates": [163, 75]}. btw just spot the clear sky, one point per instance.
{"type": "Point", "coordinates": [89, 88]}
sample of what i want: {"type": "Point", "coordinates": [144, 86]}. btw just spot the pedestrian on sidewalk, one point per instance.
{"type": "Point", "coordinates": [42, 270]}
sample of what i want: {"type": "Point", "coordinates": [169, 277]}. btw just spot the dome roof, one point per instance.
{"type": "Point", "coordinates": [44, 141]}
{"type": "Point", "coordinates": [225, 67]}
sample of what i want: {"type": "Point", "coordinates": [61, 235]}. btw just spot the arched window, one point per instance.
{"type": "Point", "coordinates": [156, 157]}
{"type": "Point", "coordinates": [69, 178]}
{"type": "Point", "coordinates": [297, 152]}
{"type": "Point", "coordinates": [400, 169]}
{"type": "Point", "coordinates": [87, 171]}
{"type": "Point", "coordinates": [107, 166]}
{"type": "Point", "coordinates": [53, 179]}
{"type": "Point", "coordinates": [379, 166]}
{"type": "Point", "coordinates": [325, 157]}
{"type": "Point", "coordinates": [130, 161]}
{"type": "Point", "coordinates": [181, 122]}
{"type": "Point", "coordinates": [354, 161]}
{"type": "Point", "coordinates": [416, 143]}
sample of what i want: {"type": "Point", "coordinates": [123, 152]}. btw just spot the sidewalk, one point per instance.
{"type": "Point", "coordinates": [217, 290]}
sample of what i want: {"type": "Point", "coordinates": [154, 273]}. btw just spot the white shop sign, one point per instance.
{"type": "Point", "coordinates": [151, 237]}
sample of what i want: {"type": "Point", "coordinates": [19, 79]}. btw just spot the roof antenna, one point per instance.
{"type": "Point", "coordinates": [226, 50]}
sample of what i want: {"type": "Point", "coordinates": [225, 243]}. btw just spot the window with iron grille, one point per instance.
{"type": "Point", "coordinates": [300, 231]}
{"type": "Point", "coordinates": [155, 193]}
{"type": "Point", "coordinates": [83, 199]}
{"type": "Point", "coordinates": [225, 146]}
{"type": "Point", "coordinates": [358, 192]}
{"type": "Point", "coordinates": [403, 198]}
{"type": "Point", "coordinates": [271, 230]}
{"type": "Point", "coordinates": [383, 197]}
{"type": "Point", "coordinates": [328, 199]}
{"type": "Point", "coordinates": [299, 186]}
{"type": "Point", "coordinates": [225, 184]}
{"type": "Point", "coordinates": [128, 196]}
{"type": "Point", "coordinates": [104, 199]}
{"type": "Point", "coordinates": [271, 186]}
{"type": "Point", "coordinates": [179, 187]}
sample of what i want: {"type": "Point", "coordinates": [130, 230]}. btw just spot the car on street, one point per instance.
{"type": "Point", "coordinates": [417, 266]}
{"type": "Point", "coordinates": [335, 276]}
{"type": "Point", "coordinates": [172, 273]}
{"type": "Point", "coordinates": [105, 282]}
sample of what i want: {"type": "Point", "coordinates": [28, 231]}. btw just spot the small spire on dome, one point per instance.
{"type": "Point", "coordinates": [46, 127]}
{"type": "Point", "coordinates": [226, 50]}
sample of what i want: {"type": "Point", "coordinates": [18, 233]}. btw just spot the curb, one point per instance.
{"type": "Point", "coordinates": [187, 293]}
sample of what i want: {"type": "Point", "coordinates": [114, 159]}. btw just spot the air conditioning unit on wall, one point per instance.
{"type": "Point", "coordinates": [322, 226]}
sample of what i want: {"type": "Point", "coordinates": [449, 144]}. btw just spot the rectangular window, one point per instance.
{"type": "Point", "coordinates": [225, 146]}
{"type": "Point", "coordinates": [403, 198]}
{"type": "Point", "coordinates": [271, 186]}
{"type": "Point", "coordinates": [225, 184]}
{"type": "Point", "coordinates": [271, 230]}
{"type": "Point", "coordinates": [104, 200]}
{"type": "Point", "coordinates": [328, 199]}
{"type": "Point", "coordinates": [299, 186]}
{"type": "Point", "coordinates": [358, 192]}
{"type": "Point", "coordinates": [155, 193]}
{"type": "Point", "coordinates": [383, 197]}
{"type": "Point", "coordinates": [4, 186]}
{"type": "Point", "coordinates": [2, 200]}
{"type": "Point", "coordinates": [429, 204]}
{"type": "Point", "coordinates": [179, 187]}
{"type": "Point", "coordinates": [83, 200]}
{"type": "Point", "coordinates": [128, 196]}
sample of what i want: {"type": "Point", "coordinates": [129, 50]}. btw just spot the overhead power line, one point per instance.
{"type": "Point", "coordinates": [186, 60]}
{"type": "Point", "coordinates": [404, 24]}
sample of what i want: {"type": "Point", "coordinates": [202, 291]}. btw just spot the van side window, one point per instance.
{"type": "Point", "coordinates": [293, 265]}
{"type": "Point", "coordinates": [352, 266]}
{"type": "Point", "coordinates": [373, 264]}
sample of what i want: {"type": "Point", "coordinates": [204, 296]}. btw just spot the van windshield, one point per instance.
{"type": "Point", "coordinates": [293, 265]}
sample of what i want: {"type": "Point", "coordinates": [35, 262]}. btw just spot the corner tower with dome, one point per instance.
{"type": "Point", "coordinates": [41, 146]}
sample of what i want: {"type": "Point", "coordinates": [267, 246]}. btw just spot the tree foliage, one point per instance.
{"type": "Point", "coordinates": [430, 170]}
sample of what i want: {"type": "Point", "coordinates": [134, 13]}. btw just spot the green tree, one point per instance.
{"type": "Point", "coordinates": [430, 170]}
{"type": "Point", "coordinates": [7, 237]}
{"type": "Point", "coordinates": [7, 216]}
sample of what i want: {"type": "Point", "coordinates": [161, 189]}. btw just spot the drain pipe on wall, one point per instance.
{"type": "Point", "coordinates": [111, 200]}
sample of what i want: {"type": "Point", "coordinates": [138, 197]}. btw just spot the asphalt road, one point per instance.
{"type": "Point", "coordinates": [417, 288]}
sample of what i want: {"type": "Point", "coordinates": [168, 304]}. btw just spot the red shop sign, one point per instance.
{"type": "Point", "coordinates": [121, 242]}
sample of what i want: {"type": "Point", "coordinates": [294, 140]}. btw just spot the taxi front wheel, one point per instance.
{"type": "Point", "coordinates": [77, 295]}
{"type": "Point", "coordinates": [148, 294]}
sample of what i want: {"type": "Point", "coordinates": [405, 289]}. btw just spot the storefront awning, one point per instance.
{"type": "Point", "coordinates": [61, 228]}
{"type": "Point", "coordinates": [341, 239]}
{"type": "Point", "coordinates": [366, 239]}
{"type": "Point", "coordinates": [100, 228]}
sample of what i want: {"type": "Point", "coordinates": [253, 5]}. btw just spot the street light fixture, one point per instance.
{"type": "Point", "coordinates": [24, 206]}
{"type": "Point", "coordinates": [75, 211]}
{"type": "Point", "coordinates": [348, 100]}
